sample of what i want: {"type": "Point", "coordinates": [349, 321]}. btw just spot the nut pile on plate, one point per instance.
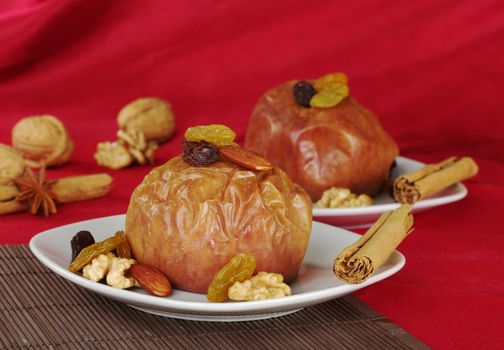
{"type": "Point", "coordinates": [111, 261]}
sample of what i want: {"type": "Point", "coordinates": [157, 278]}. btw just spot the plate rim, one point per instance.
{"type": "Point", "coordinates": [217, 309]}
{"type": "Point", "coordinates": [460, 193]}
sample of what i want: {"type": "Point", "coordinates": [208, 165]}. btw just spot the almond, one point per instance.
{"type": "Point", "coordinates": [245, 158]}
{"type": "Point", "coordinates": [152, 280]}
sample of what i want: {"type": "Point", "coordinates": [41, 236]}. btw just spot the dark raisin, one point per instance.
{"type": "Point", "coordinates": [303, 91]}
{"type": "Point", "coordinates": [200, 153]}
{"type": "Point", "coordinates": [81, 240]}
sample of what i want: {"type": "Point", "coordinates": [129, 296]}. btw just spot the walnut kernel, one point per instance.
{"type": "Point", "coordinates": [130, 147]}
{"type": "Point", "coordinates": [113, 155]}
{"type": "Point", "coordinates": [264, 285]}
{"type": "Point", "coordinates": [336, 197]}
{"type": "Point", "coordinates": [138, 147]}
{"type": "Point", "coordinates": [116, 277]}
{"type": "Point", "coordinates": [113, 268]}
{"type": "Point", "coordinates": [98, 268]}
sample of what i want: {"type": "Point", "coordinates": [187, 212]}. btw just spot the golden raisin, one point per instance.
{"type": "Point", "coordinates": [330, 96]}
{"type": "Point", "coordinates": [331, 90]}
{"type": "Point", "coordinates": [90, 252]}
{"type": "Point", "coordinates": [239, 269]}
{"type": "Point", "coordinates": [123, 250]}
{"type": "Point", "coordinates": [219, 135]}
{"type": "Point", "coordinates": [331, 79]}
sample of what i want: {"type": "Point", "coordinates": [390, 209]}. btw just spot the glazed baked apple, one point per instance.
{"type": "Point", "coordinates": [192, 215]}
{"type": "Point", "coordinates": [322, 137]}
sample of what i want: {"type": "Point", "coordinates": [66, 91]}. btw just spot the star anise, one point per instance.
{"type": "Point", "coordinates": [37, 192]}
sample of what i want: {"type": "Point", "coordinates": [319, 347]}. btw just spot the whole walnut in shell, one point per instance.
{"type": "Point", "coordinates": [151, 116]}
{"type": "Point", "coordinates": [12, 165]}
{"type": "Point", "coordinates": [42, 139]}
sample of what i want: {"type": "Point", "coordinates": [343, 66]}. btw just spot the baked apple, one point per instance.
{"type": "Point", "coordinates": [193, 214]}
{"type": "Point", "coordinates": [322, 137]}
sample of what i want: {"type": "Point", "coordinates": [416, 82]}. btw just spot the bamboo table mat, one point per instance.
{"type": "Point", "coordinates": [44, 311]}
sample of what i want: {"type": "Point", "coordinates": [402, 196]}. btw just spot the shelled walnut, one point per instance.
{"type": "Point", "coordinates": [341, 198]}
{"type": "Point", "coordinates": [137, 145]}
{"type": "Point", "coordinates": [264, 285]}
{"type": "Point", "coordinates": [130, 147]}
{"type": "Point", "coordinates": [111, 267]}
{"type": "Point", "coordinates": [113, 155]}
{"type": "Point", "coordinates": [42, 140]}
{"type": "Point", "coordinates": [149, 115]}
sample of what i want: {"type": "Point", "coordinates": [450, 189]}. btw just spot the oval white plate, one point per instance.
{"type": "Point", "coordinates": [315, 283]}
{"type": "Point", "coordinates": [365, 216]}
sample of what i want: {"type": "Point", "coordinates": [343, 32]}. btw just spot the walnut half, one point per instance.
{"type": "Point", "coordinates": [113, 155]}
{"type": "Point", "coordinates": [336, 197]}
{"type": "Point", "coordinates": [130, 147]}
{"type": "Point", "coordinates": [264, 285]}
{"type": "Point", "coordinates": [113, 268]}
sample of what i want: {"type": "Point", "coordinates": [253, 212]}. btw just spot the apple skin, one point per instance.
{"type": "Point", "coordinates": [190, 221]}
{"type": "Point", "coordinates": [320, 148]}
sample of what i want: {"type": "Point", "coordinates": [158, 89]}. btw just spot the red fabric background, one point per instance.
{"type": "Point", "coordinates": [432, 70]}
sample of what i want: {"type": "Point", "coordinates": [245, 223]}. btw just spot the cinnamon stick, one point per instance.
{"type": "Point", "coordinates": [79, 188]}
{"type": "Point", "coordinates": [358, 261]}
{"type": "Point", "coordinates": [12, 206]}
{"type": "Point", "coordinates": [433, 178]}
{"type": "Point", "coordinates": [8, 204]}
{"type": "Point", "coordinates": [8, 192]}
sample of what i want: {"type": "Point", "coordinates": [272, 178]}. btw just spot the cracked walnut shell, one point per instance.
{"type": "Point", "coordinates": [42, 139]}
{"type": "Point", "coordinates": [149, 115]}
{"type": "Point", "coordinates": [12, 165]}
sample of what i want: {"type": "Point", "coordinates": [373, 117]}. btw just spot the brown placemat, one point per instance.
{"type": "Point", "coordinates": [42, 310]}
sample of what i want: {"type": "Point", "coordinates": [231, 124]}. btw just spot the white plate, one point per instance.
{"type": "Point", "coordinates": [364, 216]}
{"type": "Point", "coordinates": [315, 283]}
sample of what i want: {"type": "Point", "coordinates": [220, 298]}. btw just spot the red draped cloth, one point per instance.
{"type": "Point", "coordinates": [433, 71]}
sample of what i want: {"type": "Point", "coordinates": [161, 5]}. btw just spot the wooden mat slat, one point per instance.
{"type": "Point", "coordinates": [39, 309]}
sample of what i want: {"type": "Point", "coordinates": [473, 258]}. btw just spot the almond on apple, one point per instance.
{"type": "Point", "coordinates": [245, 158]}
